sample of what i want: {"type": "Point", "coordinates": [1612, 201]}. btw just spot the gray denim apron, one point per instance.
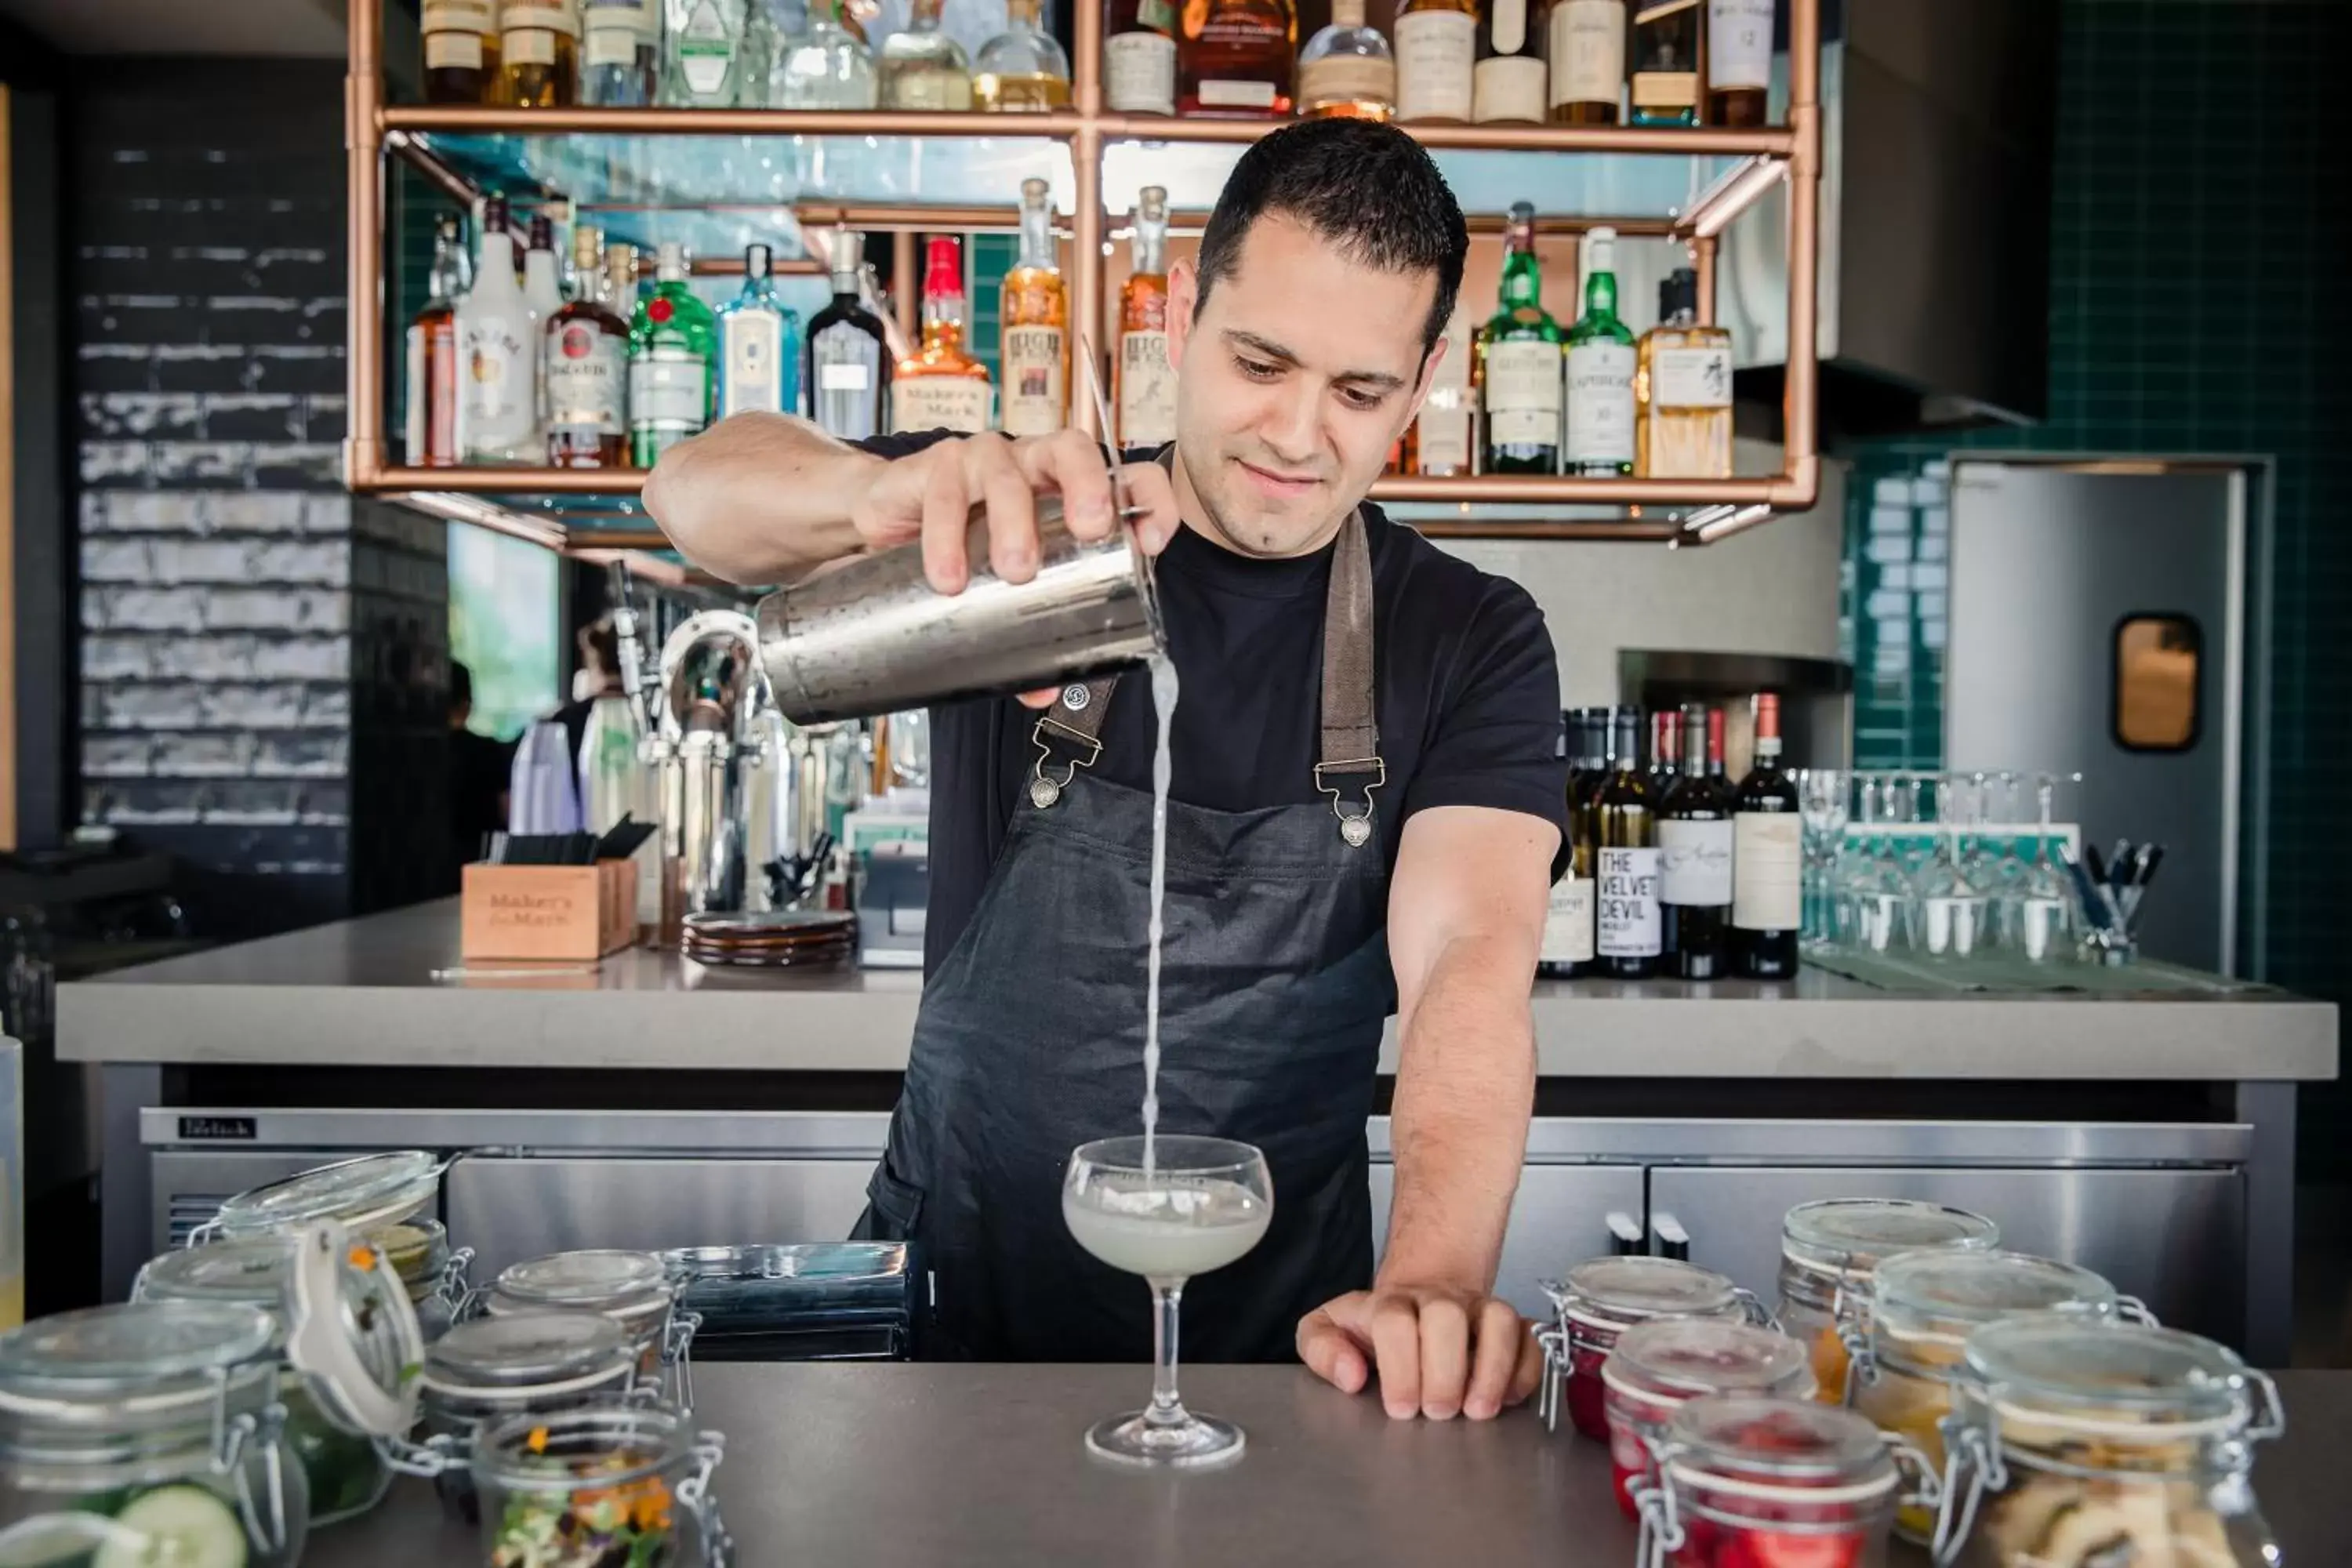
{"type": "Point", "coordinates": [1274, 982]}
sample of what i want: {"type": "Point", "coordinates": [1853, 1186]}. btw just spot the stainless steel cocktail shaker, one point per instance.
{"type": "Point", "coordinates": [870, 635]}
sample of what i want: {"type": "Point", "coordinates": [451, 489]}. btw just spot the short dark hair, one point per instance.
{"type": "Point", "coordinates": [1366, 186]}
{"type": "Point", "coordinates": [461, 685]}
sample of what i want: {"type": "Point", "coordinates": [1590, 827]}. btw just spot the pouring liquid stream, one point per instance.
{"type": "Point", "coordinates": [1163, 703]}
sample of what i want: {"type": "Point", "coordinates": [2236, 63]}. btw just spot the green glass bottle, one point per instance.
{"type": "Point", "coordinates": [1600, 371]}
{"type": "Point", "coordinates": [673, 341]}
{"type": "Point", "coordinates": [1519, 362]}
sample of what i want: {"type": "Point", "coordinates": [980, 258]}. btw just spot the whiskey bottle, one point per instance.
{"type": "Point", "coordinates": [432, 381]}
{"type": "Point", "coordinates": [497, 355]}
{"type": "Point", "coordinates": [1663, 89]}
{"type": "Point", "coordinates": [1586, 43]}
{"type": "Point", "coordinates": [587, 370]}
{"type": "Point", "coordinates": [671, 344]}
{"type": "Point", "coordinates": [1440, 444]}
{"type": "Point", "coordinates": [848, 366]}
{"type": "Point", "coordinates": [620, 53]}
{"type": "Point", "coordinates": [539, 49]}
{"type": "Point", "coordinates": [1519, 364]}
{"type": "Point", "coordinates": [1600, 371]}
{"type": "Point", "coordinates": [1147, 382]}
{"type": "Point", "coordinates": [1437, 48]}
{"type": "Point", "coordinates": [941, 386]}
{"type": "Point", "coordinates": [1024, 68]}
{"type": "Point", "coordinates": [461, 50]}
{"type": "Point", "coordinates": [1139, 58]}
{"type": "Point", "coordinates": [1346, 69]}
{"type": "Point", "coordinates": [1033, 309]}
{"type": "Point", "coordinates": [923, 68]}
{"type": "Point", "coordinates": [1234, 58]}
{"type": "Point", "coordinates": [758, 344]}
{"type": "Point", "coordinates": [1508, 82]}
{"type": "Point", "coordinates": [1682, 390]}
{"type": "Point", "coordinates": [1739, 61]}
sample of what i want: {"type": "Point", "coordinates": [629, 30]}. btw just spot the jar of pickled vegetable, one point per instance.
{"type": "Point", "coordinates": [1659, 1367]}
{"type": "Point", "coordinates": [484, 1371]}
{"type": "Point", "coordinates": [352, 1384]}
{"type": "Point", "coordinates": [1830, 1250]}
{"type": "Point", "coordinates": [614, 1482]}
{"type": "Point", "coordinates": [632, 1289]}
{"type": "Point", "coordinates": [1600, 1299]}
{"type": "Point", "coordinates": [1923, 1308]}
{"type": "Point", "coordinates": [147, 1433]}
{"type": "Point", "coordinates": [2083, 1442]}
{"type": "Point", "coordinates": [1751, 1482]}
{"type": "Point", "coordinates": [434, 1272]}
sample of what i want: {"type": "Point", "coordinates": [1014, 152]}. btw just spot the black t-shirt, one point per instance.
{"type": "Point", "coordinates": [1467, 692]}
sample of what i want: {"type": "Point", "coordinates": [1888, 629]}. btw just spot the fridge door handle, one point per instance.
{"type": "Point", "coordinates": [1671, 1239]}
{"type": "Point", "coordinates": [1624, 1234]}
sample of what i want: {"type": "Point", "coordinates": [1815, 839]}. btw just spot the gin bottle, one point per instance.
{"type": "Point", "coordinates": [758, 345]}
{"type": "Point", "coordinates": [703, 68]}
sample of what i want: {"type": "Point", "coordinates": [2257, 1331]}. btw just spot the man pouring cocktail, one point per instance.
{"type": "Point", "coordinates": [1365, 808]}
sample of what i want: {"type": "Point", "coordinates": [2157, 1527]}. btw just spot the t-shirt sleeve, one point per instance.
{"type": "Point", "coordinates": [1497, 733]}
{"type": "Point", "coordinates": [903, 443]}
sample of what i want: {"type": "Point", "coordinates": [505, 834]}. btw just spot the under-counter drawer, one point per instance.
{"type": "Point", "coordinates": [511, 1209]}
{"type": "Point", "coordinates": [1560, 1216]}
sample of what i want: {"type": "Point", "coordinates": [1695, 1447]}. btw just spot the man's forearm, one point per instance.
{"type": "Point", "coordinates": [760, 498]}
{"type": "Point", "coordinates": [1465, 1086]}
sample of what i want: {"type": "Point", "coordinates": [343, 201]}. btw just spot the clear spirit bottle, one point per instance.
{"type": "Point", "coordinates": [828, 66]}
{"type": "Point", "coordinates": [1023, 70]}
{"type": "Point", "coordinates": [587, 352]}
{"type": "Point", "coordinates": [672, 342]}
{"type": "Point", "coordinates": [758, 345]}
{"type": "Point", "coordinates": [1346, 69]}
{"type": "Point", "coordinates": [703, 65]}
{"type": "Point", "coordinates": [1682, 390]}
{"type": "Point", "coordinates": [1147, 382]}
{"type": "Point", "coordinates": [847, 367]}
{"type": "Point", "coordinates": [941, 386]}
{"type": "Point", "coordinates": [1519, 362]}
{"type": "Point", "coordinates": [1035, 313]}
{"type": "Point", "coordinates": [923, 68]}
{"type": "Point", "coordinates": [1600, 360]}
{"type": "Point", "coordinates": [620, 53]}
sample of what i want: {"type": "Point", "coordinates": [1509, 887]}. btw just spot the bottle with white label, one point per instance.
{"type": "Point", "coordinates": [1629, 933]}
{"type": "Point", "coordinates": [1694, 852]}
{"type": "Point", "coordinates": [1508, 82]}
{"type": "Point", "coordinates": [1519, 362]}
{"type": "Point", "coordinates": [1739, 61]}
{"type": "Point", "coordinates": [703, 60]}
{"type": "Point", "coordinates": [584, 355]}
{"type": "Point", "coordinates": [620, 53]}
{"type": "Point", "coordinates": [1600, 371]}
{"type": "Point", "coordinates": [1682, 390]}
{"type": "Point", "coordinates": [539, 48]}
{"type": "Point", "coordinates": [461, 50]}
{"type": "Point", "coordinates": [1768, 907]}
{"type": "Point", "coordinates": [1437, 48]}
{"type": "Point", "coordinates": [1034, 318]}
{"type": "Point", "coordinates": [671, 344]}
{"type": "Point", "coordinates": [846, 368]}
{"type": "Point", "coordinates": [1139, 58]}
{"type": "Point", "coordinates": [1567, 947]}
{"type": "Point", "coordinates": [1585, 43]}
{"type": "Point", "coordinates": [497, 355]}
{"type": "Point", "coordinates": [758, 345]}
{"type": "Point", "coordinates": [1442, 435]}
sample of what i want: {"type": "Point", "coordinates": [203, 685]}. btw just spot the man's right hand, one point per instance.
{"type": "Point", "coordinates": [930, 495]}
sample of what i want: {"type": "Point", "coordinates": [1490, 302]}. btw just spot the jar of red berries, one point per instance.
{"type": "Point", "coordinates": [1601, 1299]}
{"type": "Point", "coordinates": [1660, 1366]}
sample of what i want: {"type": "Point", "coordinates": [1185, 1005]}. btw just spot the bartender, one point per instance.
{"type": "Point", "coordinates": [1364, 816]}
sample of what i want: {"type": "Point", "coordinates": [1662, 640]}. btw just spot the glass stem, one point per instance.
{"type": "Point", "coordinates": [1167, 1298]}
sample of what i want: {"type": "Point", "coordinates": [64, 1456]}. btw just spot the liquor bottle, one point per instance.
{"type": "Point", "coordinates": [1694, 852]}
{"type": "Point", "coordinates": [461, 50]}
{"type": "Point", "coordinates": [1682, 390]}
{"type": "Point", "coordinates": [1586, 45]}
{"type": "Point", "coordinates": [1664, 88]}
{"type": "Point", "coordinates": [1739, 61]}
{"type": "Point", "coordinates": [703, 66]}
{"type": "Point", "coordinates": [586, 371]}
{"type": "Point", "coordinates": [1625, 858]}
{"type": "Point", "coordinates": [941, 386]}
{"type": "Point", "coordinates": [672, 342]}
{"type": "Point", "coordinates": [848, 366]}
{"type": "Point", "coordinates": [538, 53]}
{"type": "Point", "coordinates": [1508, 82]}
{"type": "Point", "coordinates": [1147, 384]}
{"type": "Point", "coordinates": [620, 291]}
{"type": "Point", "coordinates": [542, 297]}
{"type": "Point", "coordinates": [1436, 49]}
{"type": "Point", "coordinates": [1346, 69]}
{"type": "Point", "coordinates": [620, 53]}
{"type": "Point", "coordinates": [828, 66]}
{"type": "Point", "coordinates": [496, 421]}
{"type": "Point", "coordinates": [1234, 59]}
{"type": "Point", "coordinates": [1139, 58]}
{"type": "Point", "coordinates": [758, 345]}
{"type": "Point", "coordinates": [432, 385]}
{"type": "Point", "coordinates": [1442, 431]}
{"type": "Point", "coordinates": [1519, 366]}
{"type": "Point", "coordinates": [1600, 371]}
{"type": "Point", "coordinates": [923, 68]}
{"type": "Point", "coordinates": [1023, 70]}
{"type": "Point", "coordinates": [1034, 314]}
{"type": "Point", "coordinates": [1566, 944]}
{"type": "Point", "coordinates": [1768, 858]}
{"type": "Point", "coordinates": [561, 225]}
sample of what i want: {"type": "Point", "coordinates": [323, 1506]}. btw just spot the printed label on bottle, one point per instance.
{"type": "Point", "coordinates": [639, 20]}
{"type": "Point", "coordinates": [1139, 73]}
{"type": "Point", "coordinates": [611, 46]}
{"type": "Point", "coordinates": [529, 46]}
{"type": "Point", "coordinates": [1347, 79]}
{"type": "Point", "coordinates": [497, 389]}
{"type": "Point", "coordinates": [1523, 392]}
{"type": "Point", "coordinates": [848, 363]}
{"type": "Point", "coordinates": [939, 402]}
{"type": "Point", "coordinates": [586, 371]}
{"type": "Point", "coordinates": [413, 437]}
{"type": "Point", "coordinates": [1434, 51]}
{"type": "Point", "coordinates": [1739, 44]}
{"type": "Point", "coordinates": [930, 89]}
{"type": "Point", "coordinates": [751, 347]}
{"type": "Point", "coordinates": [1587, 51]}
{"type": "Point", "coordinates": [1695, 863]}
{"type": "Point", "coordinates": [1147, 390]}
{"type": "Point", "coordinates": [706, 49]}
{"type": "Point", "coordinates": [840, 377]}
{"type": "Point", "coordinates": [1691, 378]}
{"type": "Point", "coordinates": [1627, 912]}
{"type": "Point", "coordinates": [1600, 403]}
{"type": "Point", "coordinates": [1568, 923]}
{"type": "Point", "coordinates": [453, 51]}
{"type": "Point", "coordinates": [1665, 89]}
{"type": "Point", "coordinates": [1508, 87]}
{"type": "Point", "coordinates": [1768, 870]}
{"type": "Point", "coordinates": [1035, 397]}
{"type": "Point", "coordinates": [670, 388]}
{"type": "Point", "coordinates": [1442, 438]}
{"type": "Point", "coordinates": [1238, 94]}
{"type": "Point", "coordinates": [477, 17]}
{"type": "Point", "coordinates": [1160, 13]}
{"type": "Point", "coordinates": [540, 17]}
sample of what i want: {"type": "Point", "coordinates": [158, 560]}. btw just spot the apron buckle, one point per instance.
{"type": "Point", "coordinates": [1356, 830]}
{"type": "Point", "coordinates": [1044, 789]}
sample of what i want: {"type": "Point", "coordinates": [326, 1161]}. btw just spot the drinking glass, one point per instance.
{"type": "Point", "coordinates": [1951, 907]}
{"type": "Point", "coordinates": [1166, 1209]}
{"type": "Point", "coordinates": [1821, 795]}
{"type": "Point", "coordinates": [2045, 904]}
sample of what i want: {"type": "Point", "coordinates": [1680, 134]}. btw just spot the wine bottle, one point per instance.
{"type": "Point", "coordinates": [1695, 851]}
{"type": "Point", "coordinates": [1768, 858]}
{"type": "Point", "coordinates": [1567, 950]}
{"type": "Point", "coordinates": [1625, 856]}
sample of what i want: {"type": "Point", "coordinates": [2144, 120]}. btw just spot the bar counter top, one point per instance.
{"type": "Point", "coordinates": [980, 1466]}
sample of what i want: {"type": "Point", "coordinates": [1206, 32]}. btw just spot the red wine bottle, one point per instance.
{"type": "Point", "coordinates": [1695, 853]}
{"type": "Point", "coordinates": [1567, 949]}
{"type": "Point", "coordinates": [1768, 858]}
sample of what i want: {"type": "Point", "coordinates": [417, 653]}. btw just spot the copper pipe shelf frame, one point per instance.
{"type": "Point", "coordinates": [1718, 507]}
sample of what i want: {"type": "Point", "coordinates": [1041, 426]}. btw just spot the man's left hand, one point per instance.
{"type": "Point", "coordinates": [1439, 1352]}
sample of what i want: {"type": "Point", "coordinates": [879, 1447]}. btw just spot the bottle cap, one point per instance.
{"type": "Point", "coordinates": [848, 257]}
{"type": "Point", "coordinates": [755, 261]}
{"type": "Point", "coordinates": [672, 261]}
{"type": "Point", "coordinates": [1677, 292]}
